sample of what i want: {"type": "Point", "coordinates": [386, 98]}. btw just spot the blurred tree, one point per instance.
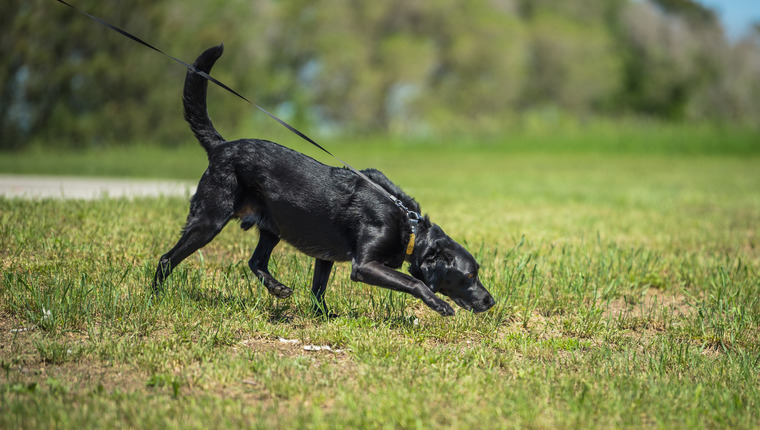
{"type": "Point", "coordinates": [361, 60]}
{"type": "Point", "coordinates": [574, 64]}
{"type": "Point", "coordinates": [481, 60]}
{"type": "Point", "coordinates": [690, 10]}
{"type": "Point", "coordinates": [257, 61]}
{"type": "Point", "coordinates": [58, 78]}
{"type": "Point", "coordinates": [733, 93]}
{"type": "Point", "coordinates": [661, 67]}
{"type": "Point", "coordinates": [350, 65]}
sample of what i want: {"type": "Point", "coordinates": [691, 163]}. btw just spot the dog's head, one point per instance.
{"type": "Point", "coordinates": [447, 268]}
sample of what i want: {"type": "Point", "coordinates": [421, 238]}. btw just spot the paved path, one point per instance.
{"type": "Point", "coordinates": [35, 187]}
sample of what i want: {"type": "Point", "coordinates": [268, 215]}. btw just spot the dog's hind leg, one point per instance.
{"type": "Point", "coordinates": [210, 209]}
{"type": "Point", "coordinates": [197, 233]}
{"type": "Point", "coordinates": [259, 264]}
{"type": "Point", "coordinates": [322, 269]}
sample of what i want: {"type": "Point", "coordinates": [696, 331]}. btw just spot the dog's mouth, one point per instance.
{"type": "Point", "coordinates": [469, 307]}
{"type": "Point", "coordinates": [463, 304]}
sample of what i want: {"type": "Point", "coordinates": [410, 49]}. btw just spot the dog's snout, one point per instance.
{"type": "Point", "coordinates": [488, 303]}
{"type": "Point", "coordinates": [483, 301]}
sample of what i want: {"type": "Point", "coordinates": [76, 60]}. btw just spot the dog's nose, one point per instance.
{"type": "Point", "coordinates": [488, 303]}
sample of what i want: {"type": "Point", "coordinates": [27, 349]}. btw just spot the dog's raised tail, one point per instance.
{"type": "Point", "coordinates": [194, 99]}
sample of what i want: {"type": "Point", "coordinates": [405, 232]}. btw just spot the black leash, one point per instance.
{"type": "Point", "coordinates": [414, 217]}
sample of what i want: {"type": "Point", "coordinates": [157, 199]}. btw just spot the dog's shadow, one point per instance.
{"type": "Point", "coordinates": [275, 311]}
{"type": "Point", "coordinates": [285, 312]}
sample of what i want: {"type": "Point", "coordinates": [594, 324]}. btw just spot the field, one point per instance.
{"type": "Point", "coordinates": [624, 263]}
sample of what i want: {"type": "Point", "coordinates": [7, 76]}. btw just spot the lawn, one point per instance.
{"type": "Point", "coordinates": [624, 263]}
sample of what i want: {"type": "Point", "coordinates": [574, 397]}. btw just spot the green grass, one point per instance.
{"type": "Point", "coordinates": [407, 155]}
{"type": "Point", "coordinates": [626, 280]}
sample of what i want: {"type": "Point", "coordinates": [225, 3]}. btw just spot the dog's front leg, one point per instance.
{"type": "Point", "coordinates": [374, 273]}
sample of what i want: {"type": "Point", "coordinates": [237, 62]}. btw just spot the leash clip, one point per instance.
{"type": "Point", "coordinates": [414, 219]}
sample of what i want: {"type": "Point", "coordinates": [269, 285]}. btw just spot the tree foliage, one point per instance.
{"type": "Point", "coordinates": [399, 65]}
{"type": "Point", "coordinates": [63, 77]}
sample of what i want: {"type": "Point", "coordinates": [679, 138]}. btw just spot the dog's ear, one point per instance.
{"type": "Point", "coordinates": [435, 263]}
{"type": "Point", "coordinates": [431, 262]}
{"type": "Point", "coordinates": [433, 270]}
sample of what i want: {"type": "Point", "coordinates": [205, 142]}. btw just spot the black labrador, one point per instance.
{"type": "Point", "coordinates": [329, 213]}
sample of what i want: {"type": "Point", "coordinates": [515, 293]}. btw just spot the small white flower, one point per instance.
{"type": "Point", "coordinates": [315, 347]}
{"type": "Point", "coordinates": [322, 348]}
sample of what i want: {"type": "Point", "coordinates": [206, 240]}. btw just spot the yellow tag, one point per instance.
{"type": "Point", "coordinates": [410, 247]}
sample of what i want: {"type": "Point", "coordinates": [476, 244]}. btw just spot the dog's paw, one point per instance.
{"type": "Point", "coordinates": [322, 312]}
{"type": "Point", "coordinates": [280, 291]}
{"type": "Point", "coordinates": [319, 313]}
{"type": "Point", "coordinates": [444, 308]}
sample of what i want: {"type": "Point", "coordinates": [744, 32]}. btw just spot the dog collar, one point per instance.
{"type": "Point", "coordinates": [414, 219]}
{"type": "Point", "coordinates": [410, 247]}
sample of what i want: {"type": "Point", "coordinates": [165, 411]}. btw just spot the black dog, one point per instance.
{"type": "Point", "coordinates": [329, 213]}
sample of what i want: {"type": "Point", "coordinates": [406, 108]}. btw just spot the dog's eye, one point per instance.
{"type": "Point", "coordinates": [470, 275]}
